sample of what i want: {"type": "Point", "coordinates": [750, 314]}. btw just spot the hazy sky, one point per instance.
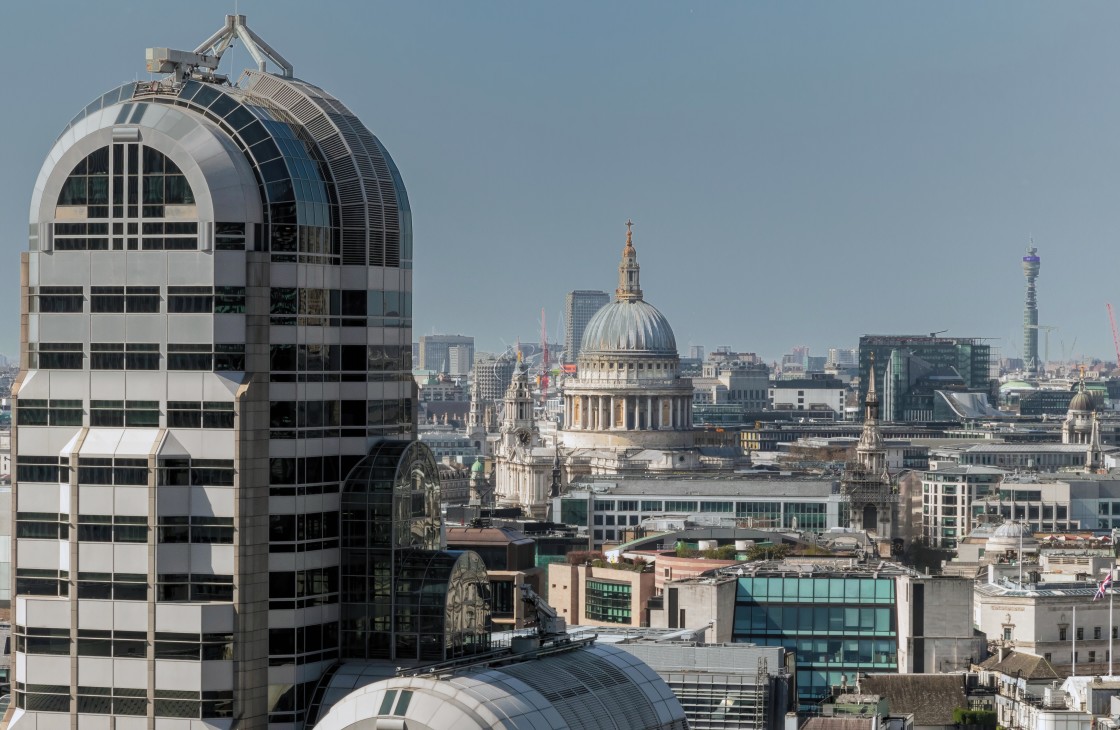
{"type": "Point", "coordinates": [797, 172]}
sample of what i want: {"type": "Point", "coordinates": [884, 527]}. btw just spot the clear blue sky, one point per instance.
{"type": "Point", "coordinates": [798, 172]}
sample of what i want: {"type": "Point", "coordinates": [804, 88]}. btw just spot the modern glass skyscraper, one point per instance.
{"type": "Point", "coordinates": [579, 307]}
{"type": "Point", "coordinates": [968, 358]}
{"type": "Point", "coordinates": [216, 326]}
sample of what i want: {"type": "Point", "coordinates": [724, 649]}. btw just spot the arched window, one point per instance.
{"type": "Point", "coordinates": [126, 196]}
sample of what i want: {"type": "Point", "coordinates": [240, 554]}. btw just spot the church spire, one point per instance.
{"type": "Point", "coordinates": [870, 452]}
{"type": "Point", "coordinates": [871, 405]}
{"type": "Point", "coordinates": [629, 287]}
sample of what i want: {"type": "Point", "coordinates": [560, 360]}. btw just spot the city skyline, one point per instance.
{"type": "Point", "coordinates": [796, 174]}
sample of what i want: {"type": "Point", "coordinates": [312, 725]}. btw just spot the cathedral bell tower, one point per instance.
{"type": "Point", "coordinates": [629, 280]}
{"type": "Point", "coordinates": [518, 428]}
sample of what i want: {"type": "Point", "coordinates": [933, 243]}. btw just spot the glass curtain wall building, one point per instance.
{"type": "Point", "coordinates": [969, 358]}
{"type": "Point", "coordinates": [216, 327]}
{"type": "Point", "coordinates": [836, 625]}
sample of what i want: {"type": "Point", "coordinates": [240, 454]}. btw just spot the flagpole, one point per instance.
{"type": "Point", "coordinates": [1075, 639]}
{"type": "Point", "coordinates": [1021, 528]}
{"type": "Point", "coordinates": [1110, 625]}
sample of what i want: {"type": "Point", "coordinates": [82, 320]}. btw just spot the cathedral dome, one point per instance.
{"type": "Point", "coordinates": [1082, 401]}
{"type": "Point", "coordinates": [631, 326]}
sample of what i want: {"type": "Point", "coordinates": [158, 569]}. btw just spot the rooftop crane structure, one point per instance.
{"type": "Point", "coordinates": [544, 358]}
{"type": "Point", "coordinates": [1115, 336]}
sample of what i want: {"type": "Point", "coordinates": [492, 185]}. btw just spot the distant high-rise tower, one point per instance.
{"type": "Point", "coordinates": [579, 307]}
{"type": "Point", "coordinates": [436, 353]}
{"type": "Point", "coordinates": [1031, 265]}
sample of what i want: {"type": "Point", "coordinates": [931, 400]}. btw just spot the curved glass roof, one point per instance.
{"type": "Point", "coordinates": [328, 187]}
{"type": "Point", "coordinates": [390, 462]}
{"type": "Point", "coordinates": [593, 687]}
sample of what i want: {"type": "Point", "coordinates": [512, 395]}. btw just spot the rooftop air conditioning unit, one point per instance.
{"type": "Point", "coordinates": [1054, 699]}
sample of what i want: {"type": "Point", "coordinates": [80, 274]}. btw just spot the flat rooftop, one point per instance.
{"type": "Point", "coordinates": [752, 486]}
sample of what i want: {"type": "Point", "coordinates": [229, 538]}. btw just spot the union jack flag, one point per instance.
{"type": "Point", "coordinates": [1103, 586]}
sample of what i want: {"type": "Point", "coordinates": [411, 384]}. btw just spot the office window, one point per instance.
{"type": "Point", "coordinates": [39, 412]}
{"type": "Point", "coordinates": [195, 414]}
{"type": "Point", "coordinates": [190, 299]}
{"type": "Point", "coordinates": [50, 469]}
{"type": "Point", "coordinates": [608, 602]}
{"type": "Point", "coordinates": [57, 299]}
{"type": "Point", "coordinates": [118, 299]}
{"type": "Point", "coordinates": [197, 529]}
{"type": "Point", "coordinates": [217, 358]}
{"type": "Point", "coordinates": [55, 355]}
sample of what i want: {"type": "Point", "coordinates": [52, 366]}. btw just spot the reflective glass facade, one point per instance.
{"type": "Point", "coordinates": [835, 625]}
{"type": "Point", "coordinates": [403, 598]}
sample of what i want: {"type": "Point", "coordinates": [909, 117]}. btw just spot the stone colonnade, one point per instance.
{"type": "Point", "coordinates": [596, 412]}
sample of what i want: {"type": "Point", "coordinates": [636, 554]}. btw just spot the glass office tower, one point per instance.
{"type": "Point", "coordinates": [216, 327]}
{"type": "Point", "coordinates": [837, 625]}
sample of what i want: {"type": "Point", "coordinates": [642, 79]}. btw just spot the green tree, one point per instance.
{"type": "Point", "coordinates": [964, 717]}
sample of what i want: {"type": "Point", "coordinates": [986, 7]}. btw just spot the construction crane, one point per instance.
{"type": "Point", "coordinates": [1115, 337]}
{"type": "Point", "coordinates": [544, 359]}
{"type": "Point", "coordinates": [549, 623]}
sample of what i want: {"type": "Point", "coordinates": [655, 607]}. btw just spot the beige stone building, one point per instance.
{"type": "Point", "coordinates": [591, 596]}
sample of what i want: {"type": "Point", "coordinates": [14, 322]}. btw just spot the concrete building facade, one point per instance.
{"type": "Point", "coordinates": [600, 596]}
{"type": "Point", "coordinates": [948, 497]}
{"type": "Point", "coordinates": [452, 354]}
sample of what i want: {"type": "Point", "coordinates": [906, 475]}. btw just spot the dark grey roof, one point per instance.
{"type": "Point", "coordinates": [931, 698]}
{"type": "Point", "coordinates": [1026, 666]}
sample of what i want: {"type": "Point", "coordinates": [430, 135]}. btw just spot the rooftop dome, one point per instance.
{"type": "Point", "coordinates": [632, 326]}
{"type": "Point", "coordinates": [629, 323]}
{"type": "Point", "coordinates": [1082, 401]}
{"type": "Point", "coordinates": [1009, 536]}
